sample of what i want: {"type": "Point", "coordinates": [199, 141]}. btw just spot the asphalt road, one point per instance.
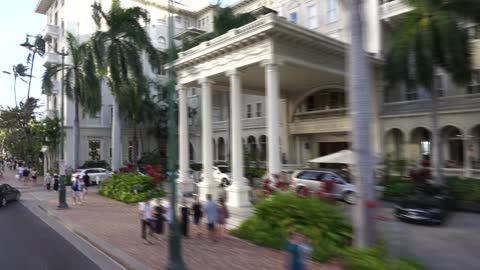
{"type": "Point", "coordinates": [27, 243]}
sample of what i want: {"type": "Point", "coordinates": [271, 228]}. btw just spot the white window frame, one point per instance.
{"type": "Point", "coordinates": [249, 111]}
{"type": "Point", "coordinates": [312, 14]}
{"type": "Point", "coordinates": [411, 94]}
{"type": "Point", "coordinates": [259, 109]}
{"type": "Point", "coordinates": [474, 86]}
{"type": "Point", "coordinates": [332, 11]}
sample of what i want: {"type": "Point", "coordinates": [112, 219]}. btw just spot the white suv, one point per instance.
{"type": "Point", "coordinates": [97, 175]}
{"type": "Point", "coordinates": [313, 181]}
{"type": "Point", "coordinates": [221, 175]}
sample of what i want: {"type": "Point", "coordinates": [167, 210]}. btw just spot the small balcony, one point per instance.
{"type": "Point", "coordinates": [257, 122]}
{"type": "Point", "coordinates": [51, 58]}
{"type": "Point", "coordinates": [392, 8]}
{"type": "Point", "coordinates": [50, 32]}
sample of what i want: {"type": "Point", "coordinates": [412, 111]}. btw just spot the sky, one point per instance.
{"type": "Point", "coordinates": [17, 18]}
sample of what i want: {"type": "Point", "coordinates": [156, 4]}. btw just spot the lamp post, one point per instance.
{"type": "Point", "coordinates": [38, 47]}
{"type": "Point", "coordinates": [175, 261]}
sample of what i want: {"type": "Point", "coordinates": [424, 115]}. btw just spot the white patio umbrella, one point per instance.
{"type": "Point", "coordinates": [341, 157]}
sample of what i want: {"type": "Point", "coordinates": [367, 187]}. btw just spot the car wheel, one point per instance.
{"type": "Point", "coordinates": [3, 203]}
{"type": "Point", "coordinates": [225, 182]}
{"type": "Point", "coordinates": [350, 197]}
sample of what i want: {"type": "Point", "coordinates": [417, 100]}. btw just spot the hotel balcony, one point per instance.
{"type": "Point", "coordinates": [247, 123]}
{"type": "Point", "coordinates": [51, 58]}
{"type": "Point", "coordinates": [50, 32]}
{"type": "Point", "coordinates": [457, 102]}
{"type": "Point", "coordinates": [392, 8]}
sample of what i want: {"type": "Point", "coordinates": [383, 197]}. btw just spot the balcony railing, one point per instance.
{"type": "Point", "coordinates": [458, 102]}
{"type": "Point", "coordinates": [51, 58]}
{"type": "Point", "coordinates": [51, 31]}
{"type": "Point", "coordinates": [300, 116]}
{"type": "Point", "coordinates": [391, 8]}
{"type": "Point", "coordinates": [259, 122]}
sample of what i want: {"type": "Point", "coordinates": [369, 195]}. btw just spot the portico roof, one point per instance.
{"type": "Point", "coordinates": [269, 38]}
{"type": "Point", "coordinates": [43, 6]}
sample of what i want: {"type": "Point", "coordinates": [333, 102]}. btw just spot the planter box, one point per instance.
{"type": "Point", "coordinates": [468, 206]}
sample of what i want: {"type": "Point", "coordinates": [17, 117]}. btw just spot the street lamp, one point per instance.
{"type": "Point", "coordinates": [175, 261]}
{"type": "Point", "coordinates": [39, 47]}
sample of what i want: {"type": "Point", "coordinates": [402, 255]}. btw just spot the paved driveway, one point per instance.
{"type": "Point", "coordinates": [455, 245]}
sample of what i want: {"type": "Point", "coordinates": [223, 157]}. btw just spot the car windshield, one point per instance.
{"type": "Point", "coordinates": [224, 169]}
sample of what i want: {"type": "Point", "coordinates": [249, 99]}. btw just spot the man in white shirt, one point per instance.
{"type": "Point", "coordinates": [146, 216]}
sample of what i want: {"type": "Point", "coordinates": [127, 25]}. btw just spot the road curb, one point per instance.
{"type": "Point", "coordinates": [113, 253]}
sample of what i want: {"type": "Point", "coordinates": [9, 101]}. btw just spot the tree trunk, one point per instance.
{"type": "Point", "coordinates": [76, 133]}
{"type": "Point", "coordinates": [116, 137]}
{"type": "Point", "coordinates": [135, 144]}
{"type": "Point", "coordinates": [361, 114]}
{"type": "Point", "coordinates": [31, 75]}
{"type": "Point", "coordinates": [15, 90]}
{"type": "Point", "coordinates": [436, 151]}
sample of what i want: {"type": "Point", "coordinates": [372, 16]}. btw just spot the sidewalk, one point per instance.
{"type": "Point", "coordinates": [118, 225]}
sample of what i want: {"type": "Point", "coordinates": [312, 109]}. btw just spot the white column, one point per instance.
{"type": "Point", "coordinates": [467, 160]}
{"type": "Point", "coordinates": [208, 185]}
{"type": "Point", "coordinates": [238, 191]}
{"type": "Point", "coordinates": [273, 124]}
{"type": "Point", "coordinates": [185, 183]}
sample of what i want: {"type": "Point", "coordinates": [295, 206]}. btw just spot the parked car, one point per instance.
{"type": "Point", "coordinates": [97, 175]}
{"type": "Point", "coordinates": [8, 194]}
{"type": "Point", "coordinates": [313, 180]}
{"type": "Point", "coordinates": [221, 174]}
{"type": "Point", "coordinates": [426, 204]}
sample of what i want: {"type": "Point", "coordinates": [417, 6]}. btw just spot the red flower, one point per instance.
{"type": "Point", "coordinates": [157, 168]}
{"type": "Point", "coordinates": [147, 167]}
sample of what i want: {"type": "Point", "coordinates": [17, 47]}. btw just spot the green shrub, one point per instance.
{"type": "Point", "coordinates": [196, 166]}
{"type": "Point", "coordinates": [96, 164]}
{"type": "Point", "coordinates": [397, 188]}
{"type": "Point", "coordinates": [153, 158]}
{"type": "Point", "coordinates": [320, 221]}
{"type": "Point", "coordinates": [130, 188]}
{"type": "Point", "coordinates": [467, 189]}
{"type": "Point", "coordinates": [376, 258]}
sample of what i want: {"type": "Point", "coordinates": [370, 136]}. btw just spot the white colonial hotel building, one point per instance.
{"type": "Point", "coordinates": [278, 86]}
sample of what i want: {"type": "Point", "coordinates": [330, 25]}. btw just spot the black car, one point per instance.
{"type": "Point", "coordinates": [425, 204]}
{"type": "Point", "coordinates": [7, 194]}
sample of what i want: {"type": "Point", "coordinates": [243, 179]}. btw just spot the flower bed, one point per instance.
{"type": "Point", "coordinates": [130, 187]}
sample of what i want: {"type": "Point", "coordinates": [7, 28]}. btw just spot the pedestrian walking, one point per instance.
{"type": "Point", "coordinates": [158, 216]}
{"type": "Point", "coordinates": [76, 191]}
{"type": "Point", "coordinates": [298, 251]}
{"type": "Point", "coordinates": [145, 220]}
{"type": "Point", "coordinates": [86, 179]}
{"type": "Point", "coordinates": [222, 216]}
{"type": "Point", "coordinates": [184, 217]}
{"type": "Point", "coordinates": [197, 214]}
{"type": "Point", "coordinates": [34, 176]}
{"type": "Point", "coordinates": [210, 210]}
{"type": "Point", "coordinates": [82, 190]}
{"type": "Point", "coordinates": [25, 174]}
{"type": "Point", "coordinates": [20, 173]}
{"type": "Point", "coordinates": [56, 182]}
{"type": "Point", "coordinates": [47, 181]}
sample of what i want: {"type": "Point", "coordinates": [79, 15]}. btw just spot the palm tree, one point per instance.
{"type": "Point", "coordinates": [18, 71]}
{"type": "Point", "coordinates": [360, 106]}
{"type": "Point", "coordinates": [81, 84]}
{"type": "Point", "coordinates": [118, 50]}
{"type": "Point", "coordinates": [427, 38]}
{"type": "Point", "coordinates": [38, 47]}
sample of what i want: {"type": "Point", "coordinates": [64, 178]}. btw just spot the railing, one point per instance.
{"type": "Point", "coordinates": [258, 122]}
{"type": "Point", "coordinates": [450, 102]}
{"type": "Point", "coordinates": [393, 8]}
{"type": "Point", "coordinates": [51, 58]}
{"type": "Point", "coordinates": [51, 31]}
{"type": "Point", "coordinates": [299, 116]}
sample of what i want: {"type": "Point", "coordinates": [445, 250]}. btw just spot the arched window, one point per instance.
{"type": "Point", "coordinates": [263, 148]}
{"type": "Point", "coordinates": [323, 100]}
{"type": "Point", "coordinates": [162, 42]}
{"type": "Point", "coordinates": [214, 149]}
{"type": "Point", "coordinates": [221, 149]}
{"type": "Point", "coordinates": [252, 145]}
{"type": "Point", "coordinates": [192, 152]}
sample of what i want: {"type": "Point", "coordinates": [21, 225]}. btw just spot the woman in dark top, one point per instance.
{"type": "Point", "coordinates": [197, 214]}
{"type": "Point", "coordinates": [184, 211]}
{"type": "Point", "coordinates": [55, 182]}
{"type": "Point", "coordinates": [159, 219]}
